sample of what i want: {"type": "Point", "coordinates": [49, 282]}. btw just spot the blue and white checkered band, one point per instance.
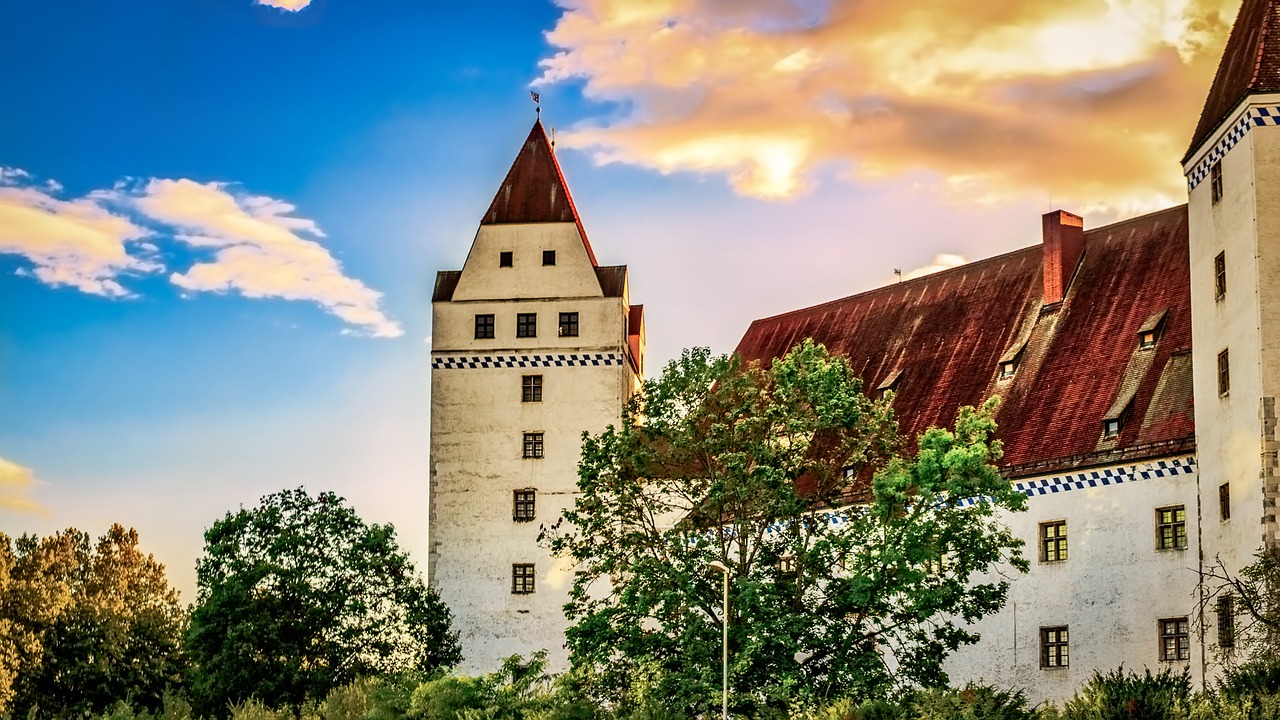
{"type": "Point", "coordinates": [1102, 478]}
{"type": "Point", "coordinates": [476, 362]}
{"type": "Point", "coordinates": [1256, 117]}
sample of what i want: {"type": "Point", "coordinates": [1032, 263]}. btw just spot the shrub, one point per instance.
{"type": "Point", "coordinates": [1121, 695]}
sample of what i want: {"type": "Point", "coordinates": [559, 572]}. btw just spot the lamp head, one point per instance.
{"type": "Point", "coordinates": [717, 565]}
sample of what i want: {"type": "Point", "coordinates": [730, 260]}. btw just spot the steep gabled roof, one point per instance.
{"type": "Point", "coordinates": [534, 190]}
{"type": "Point", "coordinates": [945, 335]}
{"type": "Point", "coordinates": [1250, 64]}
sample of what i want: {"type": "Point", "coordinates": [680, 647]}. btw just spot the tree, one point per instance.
{"type": "Point", "coordinates": [83, 626]}
{"type": "Point", "coordinates": [833, 593]}
{"type": "Point", "coordinates": [298, 596]}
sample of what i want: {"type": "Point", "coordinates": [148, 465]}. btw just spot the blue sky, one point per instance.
{"type": "Point", "coordinates": [220, 219]}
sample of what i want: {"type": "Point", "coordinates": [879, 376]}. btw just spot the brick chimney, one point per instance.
{"type": "Point", "coordinates": [1063, 244]}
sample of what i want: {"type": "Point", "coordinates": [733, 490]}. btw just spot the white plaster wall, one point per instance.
{"type": "Point", "coordinates": [1111, 591]}
{"type": "Point", "coordinates": [477, 427]}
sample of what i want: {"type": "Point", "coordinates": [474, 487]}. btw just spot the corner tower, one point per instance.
{"type": "Point", "coordinates": [533, 343]}
{"type": "Point", "coordinates": [1233, 182]}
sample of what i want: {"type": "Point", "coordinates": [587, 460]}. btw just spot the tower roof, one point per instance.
{"type": "Point", "coordinates": [1250, 64]}
{"type": "Point", "coordinates": [534, 190]}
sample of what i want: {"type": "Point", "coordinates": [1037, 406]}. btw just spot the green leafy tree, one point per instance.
{"type": "Point", "coordinates": [832, 593]}
{"type": "Point", "coordinates": [84, 625]}
{"type": "Point", "coordinates": [298, 596]}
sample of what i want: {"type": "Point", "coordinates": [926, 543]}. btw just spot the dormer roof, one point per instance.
{"type": "Point", "coordinates": [534, 190]}
{"type": "Point", "coordinates": [1250, 64]}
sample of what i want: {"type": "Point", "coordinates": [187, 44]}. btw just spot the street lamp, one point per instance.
{"type": "Point", "coordinates": [724, 693]}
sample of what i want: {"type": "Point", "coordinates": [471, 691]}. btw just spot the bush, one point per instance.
{"type": "Point", "coordinates": [1121, 695]}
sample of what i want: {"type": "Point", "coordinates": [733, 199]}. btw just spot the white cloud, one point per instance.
{"type": "Point", "coordinates": [290, 5]}
{"type": "Point", "coordinates": [77, 243]}
{"type": "Point", "coordinates": [261, 250]}
{"type": "Point", "coordinates": [16, 483]}
{"type": "Point", "coordinates": [938, 264]}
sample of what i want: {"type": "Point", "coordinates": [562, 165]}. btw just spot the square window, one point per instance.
{"type": "Point", "coordinates": [1053, 647]}
{"type": "Point", "coordinates": [1110, 428]}
{"type": "Point", "coordinates": [1008, 368]}
{"type": "Point", "coordinates": [1147, 340]}
{"type": "Point", "coordinates": [1175, 640]}
{"type": "Point", "coordinates": [484, 327]}
{"type": "Point", "coordinates": [1224, 372]}
{"type": "Point", "coordinates": [1226, 621]}
{"type": "Point", "coordinates": [522, 579]}
{"type": "Point", "coordinates": [548, 257]}
{"type": "Point", "coordinates": [506, 258]}
{"type": "Point", "coordinates": [1215, 181]}
{"type": "Point", "coordinates": [531, 388]}
{"type": "Point", "coordinates": [526, 325]}
{"type": "Point", "coordinates": [1171, 528]}
{"type": "Point", "coordinates": [1224, 501]}
{"type": "Point", "coordinates": [1220, 275]}
{"type": "Point", "coordinates": [1053, 541]}
{"type": "Point", "coordinates": [532, 445]}
{"type": "Point", "coordinates": [787, 566]}
{"type": "Point", "coordinates": [523, 505]}
{"type": "Point", "coordinates": [569, 324]}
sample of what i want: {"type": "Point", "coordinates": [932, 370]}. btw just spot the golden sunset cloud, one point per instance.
{"type": "Point", "coordinates": [16, 483]}
{"type": "Point", "coordinates": [1088, 101]}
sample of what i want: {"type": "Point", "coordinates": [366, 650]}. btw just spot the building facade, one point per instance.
{"type": "Point", "coordinates": [533, 343]}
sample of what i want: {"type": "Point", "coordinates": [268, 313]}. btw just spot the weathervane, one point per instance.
{"type": "Point", "coordinates": [537, 100]}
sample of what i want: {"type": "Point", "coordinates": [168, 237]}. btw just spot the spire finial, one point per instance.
{"type": "Point", "coordinates": [537, 101]}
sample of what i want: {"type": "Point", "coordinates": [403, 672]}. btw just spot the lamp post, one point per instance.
{"type": "Point", "coordinates": [724, 693]}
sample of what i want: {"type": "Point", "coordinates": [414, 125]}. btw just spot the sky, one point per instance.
{"type": "Point", "coordinates": [220, 220]}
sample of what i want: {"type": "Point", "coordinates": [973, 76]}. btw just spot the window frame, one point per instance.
{"type": "Point", "coordinates": [1215, 182]}
{"type": "Point", "coordinates": [1224, 502]}
{"type": "Point", "coordinates": [506, 258]}
{"type": "Point", "coordinates": [1180, 637]}
{"type": "Point", "coordinates": [1171, 542]}
{"type": "Point", "coordinates": [548, 255]}
{"type": "Point", "coordinates": [530, 388]}
{"type": "Point", "coordinates": [533, 446]}
{"type": "Point", "coordinates": [1220, 275]}
{"type": "Point", "coordinates": [569, 325]}
{"type": "Point", "coordinates": [1226, 621]}
{"type": "Point", "coordinates": [1111, 428]}
{"type": "Point", "coordinates": [527, 325]}
{"type": "Point", "coordinates": [1057, 541]}
{"type": "Point", "coordinates": [1224, 372]}
{"type": "Point", "coordinates": [524, 505]}
{"type": "Point", "coordinates": [484, 326]}
{"type": "Point", "coordinates": [523, 578]}
{"type": "Point", "coordinates": [1055, 647]}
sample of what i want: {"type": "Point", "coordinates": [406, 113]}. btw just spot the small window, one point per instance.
{"type": "Point", "coordinates": [548, 257]}
{"type": "Point", "coordinates": [891, 383]}
{"type": "Point", "coordinates": [1215, 181]}
{"type": "Point", "coordinates": [1171, 528]}
{"type": "Point", "coordinates": [523, 505]}
{"type": "Point", "coordinates": [1224, 372]}
{"type": "Point", "coordinates": [787, 565]}
{"type": "Point", "coordinates": [526, 325]}
{"type": "Point", "coordinates": [1226, 621]}
{"type": "Point", "coordinates": [1053, 647]}
{"type": "Point", "coordinates": [1053, 541]}
{"type": "Point", "coordinates": [484, 327]}
{"type": "Point", "coordinates": [1224, 501]}
{"type": "Point", "coordinates": [569, 324]}
{"type": "Point", "coordinates": [1008, 368]}
{"type": "Point", "coordinates": [1147, 340]}
{"type": "Point", "coordinates": [532, 445]}
{"type": "Point", "coordinates": [1111, 429]}
{"type": "Point", "coordinates": [1175, 640]}
{"type": "Point", "coordinates": [531, 388]}
{"type": "Point", "coordinates": [506, 258]}
{"type": "Point", "coordinates": [1150, 331]}
{"type": "Point", "coordinates": [522, 579]}
{"type": "Point", "coordinates": [939, 564]}
{"type": "Point", "coordinates": [1220, 275]}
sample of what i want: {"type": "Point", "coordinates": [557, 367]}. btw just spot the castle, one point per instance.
{"type": "Point", "coordinates": [1138, 366]}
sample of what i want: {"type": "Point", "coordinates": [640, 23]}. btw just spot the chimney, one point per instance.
{"type": "Point", "coordinates": [1063, 245]}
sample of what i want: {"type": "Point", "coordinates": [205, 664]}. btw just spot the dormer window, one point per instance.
{"type": "Point", "coordinates": [890, 383]}
{"type": "Point", "coordinates": [1150, 331]}
{"type": "Point", "coordinates": [1011, 359]}
{"type": "Point", "coordinates": [1111, 429]}
{"type": "Point", "coordinates": [1008, 368]}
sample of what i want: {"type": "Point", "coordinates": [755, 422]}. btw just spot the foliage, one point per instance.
{"type": "Point", "coordinates": [84, 625]}
{"type": "Point", "coordinates": [1256, 602]}
{"type": "Point", "coordinates": [717, 461]}
{"type": "Point", "coordinates": [299, 596]}
{"type": "Point", "coordinates": [520, 690]}
{"type": "Point", "coordinates": [1125, 695]}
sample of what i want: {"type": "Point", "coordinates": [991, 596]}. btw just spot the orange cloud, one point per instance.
{"type": "Point", "coordinates": [290, 5]}
{"type": "Point", "coordinates": [16, 483]}
{"type": "Point", "coordinates": [1090, 102]}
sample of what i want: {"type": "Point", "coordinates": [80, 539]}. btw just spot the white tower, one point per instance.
{"type": "Point", "coordinates": [533, 343]}
{"type": "Point", "coordinates": [1233, 179]}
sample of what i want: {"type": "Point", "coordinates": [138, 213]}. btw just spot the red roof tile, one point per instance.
{"type": "Point", "coordinates": [1250, 64]}
{"type": "Point", "coordinates": [946, 333]}
{"type": "Point", "coordinates": [534, 190]}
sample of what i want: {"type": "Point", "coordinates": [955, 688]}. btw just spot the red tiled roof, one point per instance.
{"type": "Point", "coordinates": [946, 333]}
{"type": "Point", "coordinates": [534, 190]}
{"type": "Point", "coordinates": [1250, 64]}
